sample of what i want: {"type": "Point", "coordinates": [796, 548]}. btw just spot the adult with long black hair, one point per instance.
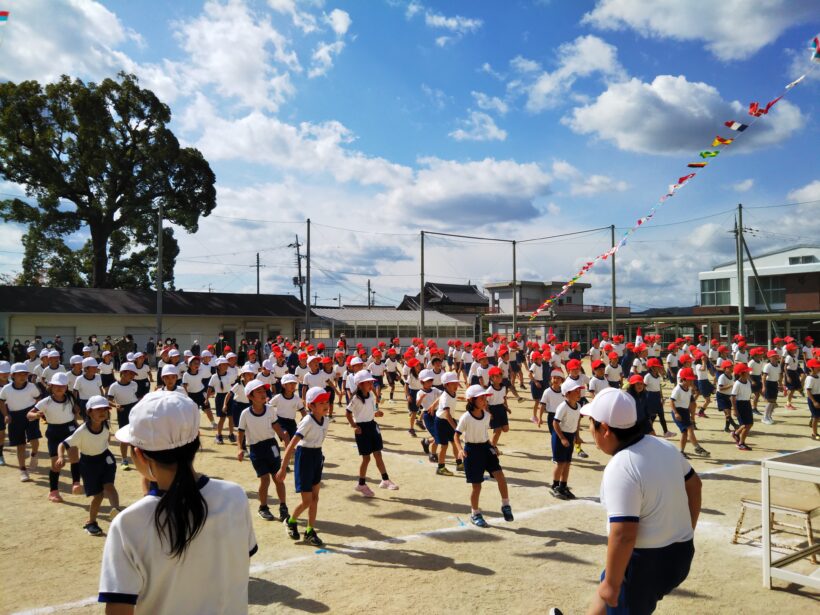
{"type": "Point", "coordinates": [186, 546]}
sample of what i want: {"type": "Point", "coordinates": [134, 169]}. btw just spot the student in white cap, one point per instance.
{"type": "Point", "coordinates": [258, 428]}
{"type": "Point", "coordinates": [54, 367]}
{"type": "Point", "coordinates": [307, 468]}
{"type": "Point", "coordinates": [87, 385]}
{"type": "Point", "coordinates": [144, 376]}
{"type": "Point", "coordinates": [75, 370]}
{"type": "Point", "coordinates": [170, 378]}
{"type": "Point", "coordinates": [565, 426]}
{"type": "Point", "coordinates": [362, 412]}
{"type": "Point", "coordinates": [16, 399]}
{"type": "Point", "coordinates": [236, 400]}
{"type": "Point", "coordinates": [652, 498]}
{"type": "Point", "coordinates": [106, 369]}
{"type": "Point", "coordinates": [59, 411]}
{"type": "Point", "coordinates": [478, 455]}
{"type": "Point", "coordinates": [33, 360]}
{"type": "Point", "coordinates": [218, 387]}
{"type": "Point", "coordinates": [426, 401]}
{"type": "Point", "coordinates": [195, 387]}
{"type": "Point", "coordinates": [123, 395]}
{"type": "Point", "coordinates": [97, 465]}
{"type": "Point", "coordinates": [185, 547]}
{"type": "Point", "coordinates": [445, 424]}
{"type": "Point", "coordinates": [5, 374]}
{"type": "Point", "coordinates": [287, 404]}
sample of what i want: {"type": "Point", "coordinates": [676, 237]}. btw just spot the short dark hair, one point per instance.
{"type": "Point", "coordinates": [623, 434]}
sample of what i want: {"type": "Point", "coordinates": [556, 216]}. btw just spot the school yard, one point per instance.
{"type": "Point", "coordinates": [414, 550]}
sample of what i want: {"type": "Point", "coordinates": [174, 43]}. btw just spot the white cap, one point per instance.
{"type": "Point", "coordinates": [128, 367]}
{"type": "Point", "coordinates": [96, 401]}
{"type": "Point", "coordinates": [356, 361]}
{"type": "Point", "coordinates": [266, 364]}
{"type": "Point", "coordinates": [89, 362]}
{"type": "Point", "coordinates": [44, 353]}
{"type": "Point", "coordinates": [221, 361]}
{"type": "Point", "coordinates": [5, 367]}
{"type": "Point", "coordinates": [187, 353]}
{"type": "Point", "coordinates": [54, 354]}
{"type": "Point", "coordinates": [253, 385]}
{"type": "Point", "coordinates": [570, 385]}
{"type": "Point", "coordinates": [557, 373]}
{"type": "Point", "coordinates": [60, 379]}
{"type": "Point", "coordinates": [247, 369]}
{"type": "Point", "coordinates": [192, 358]}
{"type": "Point", "coordinates": [614, 407]}
{"type": "Point", "coordinates": [315, 394]}
{"type": "Point", "coordinates": [87, 348]}
{"type": "Point", "coordinates": [162, 421]}
{"type": "Point", "coordinates": [75, 358]}
{"type": "Point", "coordinates": [31, 349]}
{"type": "Point", "coordinates": [105, 353]}
{"type": "Point", "coordinates": [169, 370]}
{"type": "Point", "coordinates": [19, 368]}
{"type": "Point", "coordinates": [206, 353]}
{"type": "Point", "coordinates": [289, 379]}
{"type": "Point", "coordinates": [476, 390]}
{"type": "Point", "coordinates": [137, 355]}
{"type": "Point", "coordinates": [173, 353]}
{"type": "Point", "coordinates": [231, 355]}
{"type": "Point", "coordinates": [129, 356]}
{"type": "Point", "coordinates": [449, 378]}
{"type": "Point", "coordinates": [426, 374]}
{"type": "Point", "coordinates": [363, 376]}
{"type": "Point", "coordinates": [316, 357]}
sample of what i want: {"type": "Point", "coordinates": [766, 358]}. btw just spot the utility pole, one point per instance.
{"type": "Point", "coordinates": [257, 273]}
{"type": "Point", "coordinates": [315, 298]}
{"type": "Point", "coordinates": [368, 294]}
{"type": "Point", "coordinates": [339, 299]}
{"type": "Point", "coordinates": [307, 283]}
{"type": "Point", "coordinates": [159, 274]}
{"type": "Point", "coordinates": [514, 292]}
{"type": "Point", "coordinates": [741, 290]}
{"type": "Point", "coordinates": [298, 281]}
{"type": "Point", "coordinates": [421, 294]}
{"type": "Point", "coordinates": [612, 321]}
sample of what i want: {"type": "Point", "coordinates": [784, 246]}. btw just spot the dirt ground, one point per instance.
{"type": "Point", "coordinates": [414, 550]}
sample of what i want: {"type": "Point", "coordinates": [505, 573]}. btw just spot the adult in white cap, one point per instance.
{"type": "Point", "coordinates": [478, 455]}
{"type": "Point", "coordinates": [16, 399]}
{"type": "Point", "coordinates": [187, 529]}
{"type": "Point", "coordinates": [652, 498]}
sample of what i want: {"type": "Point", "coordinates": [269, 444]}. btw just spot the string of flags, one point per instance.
{"type": "Point", "coordinates": [756, 111]}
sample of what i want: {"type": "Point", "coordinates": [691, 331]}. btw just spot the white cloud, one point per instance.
{"type": "Point", "coordinates": [456, 26]}
{"type": "Point", "coordinates": [744, 185]}
{"type": "Point", "coordinates": [487, 68]}
{"type": "Point", "coordinates": [582, 184]}
{"type": "Point", "coordinates": [490, 103]}
{"type": "Point", "coordinates": [478, 127]}
{"type": "Point", "coordinates": [583, 57]}
{"type": "Point", "coordinates": [731, 29]}
{"type": "Point", "coordinates": [339, 20]}
{"type": "Point", "coordinates": [442, 41]}
{"type": "Point", "coordinates": [809, 192]}
{"type": "Point", "coordinates": [301, 19]}
{"type": "Point", "coordinates": [437, 97]}
{"type": "Point", "coordinates": [413, 8]}
{"type": "Point", "coordinates": [674, 115]}
{"type": "Point", "coordinates": [323, 57]}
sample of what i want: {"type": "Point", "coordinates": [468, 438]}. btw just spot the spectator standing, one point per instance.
{"type": "Point", "coordinates": [196, 349]}
{"type": "Point", "coordinates": [77, 347]}
{"type": "Point", "coordinates": [151, 351]}
{"type": "Point", "coordinates": [219, 346]}
{"type": "Point", "coordinates": [5, 351]}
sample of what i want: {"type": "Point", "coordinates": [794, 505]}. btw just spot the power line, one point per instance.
{"type": "Point", "coordinates": [360, 231]}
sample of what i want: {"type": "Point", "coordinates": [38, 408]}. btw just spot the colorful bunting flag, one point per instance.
{"type": "Point", "coordinates": [795, 82]}
{"type": "Point", "coordinates": [816, 55]}
{"type": "Point", "coordinates": [697, 165]}
{"type": "Point", "coordinates": [708, 154]}
{"type": "Point", "coordinates": [721, 141]}
{"type": "Point", "coordinates": [757, 111]}
{"type": "Point", "coordinates": [736, 126]}
{"type": "Point", "coordinates": [4, 16]}
{"type": "Point", "coordinates": [685, 178]}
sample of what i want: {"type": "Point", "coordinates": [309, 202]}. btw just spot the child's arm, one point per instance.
{"type": "Point", "coordinates": [734, 406]}
{"type": "Point", "coordinates": [556, 424]}
{"type": "Point", "coordinates": [226, 403]}
{"type": "Point", "coordinates": [349, 416]}
{"type": "Point", "coordinates": [61, 452]}
{"type": "Point", "coordinates": [240, 443]}
{"type": "Point", "coordinates": [282, 473]}
{"type": "Point", "coordinates": [5, 412]}
{"type": "Point", "coordinates": [34, 414]}
{"type": "Point", "coordinates": [460, 452]}
{"type": "Point", "coordinates": [283, 435]}
{"type": "Point", "coordinates": [674, 408]}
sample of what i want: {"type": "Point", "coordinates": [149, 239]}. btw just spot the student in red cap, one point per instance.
{"type": "Point", "coordinates": [536, 370]}
{"type": "Point", "coordinates": [772, 381]}
{"type": "Point", "coordinates": [497, 405]}
{"type": "Point", "coordinates": [653, 379]}
{"type": "Point", "coordinates": [680, 406]}
{"type": "Point", "coordinates": [412, 387]}
{"type": "Point", "coordinates": [742, 405]}
{"type": "Point", "coordinates": [613, 371]}
{"type": "Point", "coordinates": [756, 362]}
{"type": "Point", "coordinates": [792, 378]}
{"type": "Point", "coordinates": [725, 383]}
{"type": "Point", "coordinates": [811, 386]}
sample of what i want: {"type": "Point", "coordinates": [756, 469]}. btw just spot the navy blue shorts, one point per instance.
{"type": "Point", "coordinates": [475, 380]}
{"type": "Point", "coordinates": [654, 403]}
{"type": "Point", "coordinates": [219, 402]}
{"type": "Point", "coordinates": [705, 388]}
{"type": "Point", "coordinates": [745, 416]}
{"type": "Point", "coordinates": [814, 409]}
{"type": "Point", "coordinates": [536, 391]}
{"type": "Point", "coordinates": [21, 430]}
{"type": "Point", "coordinates": [724, 401]}
{"type": "Point", "coordinates": [392, 378]}
{"type": "Point", "coordinates": [107, 380]}
{"type": "Point", "coordinates": [429, 421]}
{"type": "Point", "coordinates": [650, 575]}
{"type": "Point", "coordinates": [412, 406]}
{"type": "Point", "coordinates": [55, 434]}
{"type": "Point", "coordinates": [771, 389]}
{"type": "Point", "coordinates": [515, 367]}
{"type": "Point", "coordinates": [96, 471]}
{"type": "Point", "coordinates": [480, 458]}
{"type": "Point", "coordinates": [265, 457]}
{"type": "Point", "coordinates": [757, 383]}
{"type": "Point", "coordinates": [370, 440]}
{"type": "Point", "coordinates": [123, 414]}
{"type": "Point", "coordinates": [288, 425]}
{"type": "Point", "coordinates": [792, 380]}
{"type": "Point", "coordinates": [685, 421]}
{"type": "Point", "coordinates": [379, 382]}
{"type": "Point", "coordinates": [444, 432]}
{"type": "Point", "coordinates": [550, 426]}
{"type": "Point", "coordinates": [561, 453]}
{"type": "Point", "coordinates": [198, 398]}
{"type": "Point", "coordinates": [307, 468]}
{"type": "Point", "coordinates": [236, 410]}
{"type": "Point", "coordinates": [499, 419]}
{"type": "Point", "coordinates": [615, 384]}
{"type": "Point", "coordinates": [143, 387]}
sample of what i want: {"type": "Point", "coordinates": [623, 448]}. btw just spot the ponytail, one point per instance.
{"type": "Point", "coordinates": [181, 511]}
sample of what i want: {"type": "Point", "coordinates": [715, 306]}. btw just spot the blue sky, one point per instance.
{"type": "Point", "coordinates": [514, 119]}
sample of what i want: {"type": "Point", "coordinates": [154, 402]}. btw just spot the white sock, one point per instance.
{"type": "Point", "coordinates": [476, 511]}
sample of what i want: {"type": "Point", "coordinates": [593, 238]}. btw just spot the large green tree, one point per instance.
{"type": "Point", "coordinates": [97, 159]}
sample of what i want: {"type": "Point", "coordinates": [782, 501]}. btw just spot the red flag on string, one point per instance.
{"type": "Point", "coordinates": [685, 178]}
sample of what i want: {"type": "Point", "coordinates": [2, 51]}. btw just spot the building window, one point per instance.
{"type": "Point", "coordinates": [802, 260]}
{"type": "Point", "coordinates": [715, 292]}
{"type": "Point", "coordinates": [773, 289]}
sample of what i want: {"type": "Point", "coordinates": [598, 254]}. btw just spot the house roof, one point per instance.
{"type": "Point", "coordinates": [464, 294]}
{"type": "Point", "coordinates": [23, 299]}
{"type": "Point", "coordinates": [381, 315]}
{"type": "Point", "coordinates": [800, 246]}
{"type": "Point", "coordinates": [539, 283]}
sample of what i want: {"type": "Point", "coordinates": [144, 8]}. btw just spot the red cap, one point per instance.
{"type": "Point", "coordinates": [654, 362]}
{"type": "Point", "coordinates": [613, 355]}
{"type": "Point", "coordinates": [685, 358]}
{"type": "Point", "coordinates": [813, 364]}
{"type": "Point", "coordinates": [791, 347]}
{"type": "Point", "coordinates": [573, 364]}
{"type": "Point", "coordinates": [494, 371]}
{"type": "Point", "coordinates": [777, 340]}
{"type": "Point", "coordinates": [320, 346]}
{"type": "Point", "coordinates": [741, 368]}
{"type": "Point", "coordinates": [772, 353]}
{"type": "Point", "coordinates": [594, 340]}
{"type": "Point", "coordinates": [687, 374]}
{"type": "Point", "coordinates": [395, 340]}
{"type": "Point", "coordinates": [327, 361]}
{"type": "Point", "coordinates": [672, 347]}
{"type": "Point", "coordinates": [726, 364]}
{"type": "Point", "coordinates": [412, 363]}
{"type": "Point", "coordinates": [598, 364]}
{"type": "Point", "coordinates": [302, 355]}
{"type": "Point", "coordinates": [635, 379]}
{"type": "Point", "coordinates": [502, 350]}
{"type": "Point", "coordinates": [536, 355]}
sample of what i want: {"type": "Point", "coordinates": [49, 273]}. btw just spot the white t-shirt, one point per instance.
{"type": "Point", "coordinates": [220, 384]}
{"type": "Point", "coordinates": [57, 412]}
{"type": "Point", "coordinates": [88, 442]}
{"type": "Point", "coordinates": [377, 369]}
{"type": "Point", "coordinates": [812, 385]}
{"type": "Point", "coordinates": [497, 396]}
{"type": "Point", "coordinates": [682, 398]}
{"type": "Point", "coordinates": [653, 383]}
{"type": "Point", "coordinates": [426, 399]}
{"type": "Point", "coordinates": [193, 382]}
{"type": "Point", "coordinates": [238, 391]}
{"type": "Point", "coordinates": [472, 429]}
{"type": "Point", "coordinates": [258, 427]}
{"type": "Point", "coordinates": [300, 373]}
{"type": "Point", "coordinates": [742, 390]}
{"type": "Point", "coordinates": [123, 394]}
{"type": "Point", "coordinates": [48, 372]}
{"type": "Point", "coordinates": [105, 368]}
{"type": "Point", "coordinates": [269, 379]}
{"type": "Point", "coordinates": [791, 362]}
{"type": "Point", "coordinates": [19, 399]}
{"type": "Point", "coordinates": [279, 371]}
{"type": "Point", "coordinates": [645, 482]}
{"type": "Point", "coordinates": [286, 408]}
{"type": "Point", "coordinates": [756, 367]}
{"type": "Point", "coordinates": [701, 371]}
{"type": "Point", "coordinates": [725, 384]}
{"type": "Point", "coordinates": [143, 372]}
{"type": "Point", "coordinates": [568, 417]}
{"type": "Point", "coordinates": [445, 402]}
{"type": "Point", "coordinates": [613, 373]}
{"type": "Point", "coordinates": [596, 385]}
{"type": "Point", "coordinates": [136, 566]}
{"type": "Point", "coordinates": [320, 379]}
{"type": "Point", "coordinates": [552, 399]}
{"type": "Point", "coordinates": [86, 388]}
{"type": "Point", "coordinates": [772, 372]}
{"type": "Point", "coordinates": [537, 371]}
{"type": "Point", "coordinates": [363, 411]}
{"type": "Point", "coordinates": [312, 431]}
{"type": "Point", "coordinates": [391, 365]}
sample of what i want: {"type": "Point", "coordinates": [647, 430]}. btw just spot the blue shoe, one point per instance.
{"type": "Point", "coordinates": [478, 520]}
{"type": "Point", "coordinates": [506, 510]}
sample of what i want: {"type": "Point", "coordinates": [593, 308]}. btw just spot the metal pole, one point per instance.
{"type": "Point", "coordinates": [514, 294]}
{"type": "Point", "coordinates": [257, 273]}
{"type": "Point", "coordinates": [741, 283]}
{"type": "Point", "coordinates": [421, 294]}
{"type": "Point", "coordinates": [368, 294]}
{"type": "Point", "coordinates": [612, 322]}
{"type": "Point", "coordinates": [159, 275]}
{"type": "Point", "coordinates": [307, 284]}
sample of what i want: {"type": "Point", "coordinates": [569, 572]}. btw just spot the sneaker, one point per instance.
{"type": "Point", "coordinates": [284, 514]}
{"type": "Point", "coordinates": [459, 466]}
{"type": "Point", "coordinates": [292, 529]}
{"type": "Point", "coordinates": [420, 426]}
{"type": "Point", "coordinates": [570, 495]}
{"type": "Point", "coordinates": [582, 454]}
{"type": "Point", "coordinates": [365, 491]}
{"type": "Point", "coordinates": [388, 484]}
{"type": "Point", "coordinates": [412, 432]}
{"type": "Point", "coordinates": [76, 489]}
{"type": "Point", "coordinates": [790, 407]}
{"type": "Point", "coordinates": [736, 437]}
{"type": "Point", "coordinates": [265, 513]}
{"type": "Point", "coordinates": [477, 519]}
{"type": "Point", "coordinates": [213, 425]}
{"type": "Point", "coordinates": [669, 434]}
{"type": "Point", "coordinates": [685, 455]}
{"type": "Point", "coordinates": [232, 438]}
{"type": "Point", "coordinates": [557, 492]}
{"type": "Point", "coordinates": [727, 430]}
{"type": "Point", "coordinates": [54, 496]}
{"type": "Point", "coordinates": [506, 510]}
{"type": "Point", "coordinates": [767, 421]}
{"type": "Point", "coordinates": [312, 538]}
{"type": "Point", "coordinates": [24, 477]}
{"type": "Point", "coordinates": [701, 451]}
{"type": "Point", "coordinates": [757, 412]}
{"type": "Point", "coordinates": [219, 440]}
{"type": "Point", "coordinates": [425, 444]}
{"type": "Point", "coordinates": [443, 472]}
{"type": "Point", "coordinates": [125, 465]}
{"type": "Point", "coordinates": [32, 464]}
{"type": "Point", "coordinates": [555, 611]}
{"type": "Point", "coordinates": [433, 457]}
{"type": "Point", "coordinates": [93, 529]}
{"type": "Point", "coordinates": [743, 447]}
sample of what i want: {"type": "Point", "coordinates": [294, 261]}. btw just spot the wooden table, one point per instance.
{"type": "Point", "coordinates": [802, 466]}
